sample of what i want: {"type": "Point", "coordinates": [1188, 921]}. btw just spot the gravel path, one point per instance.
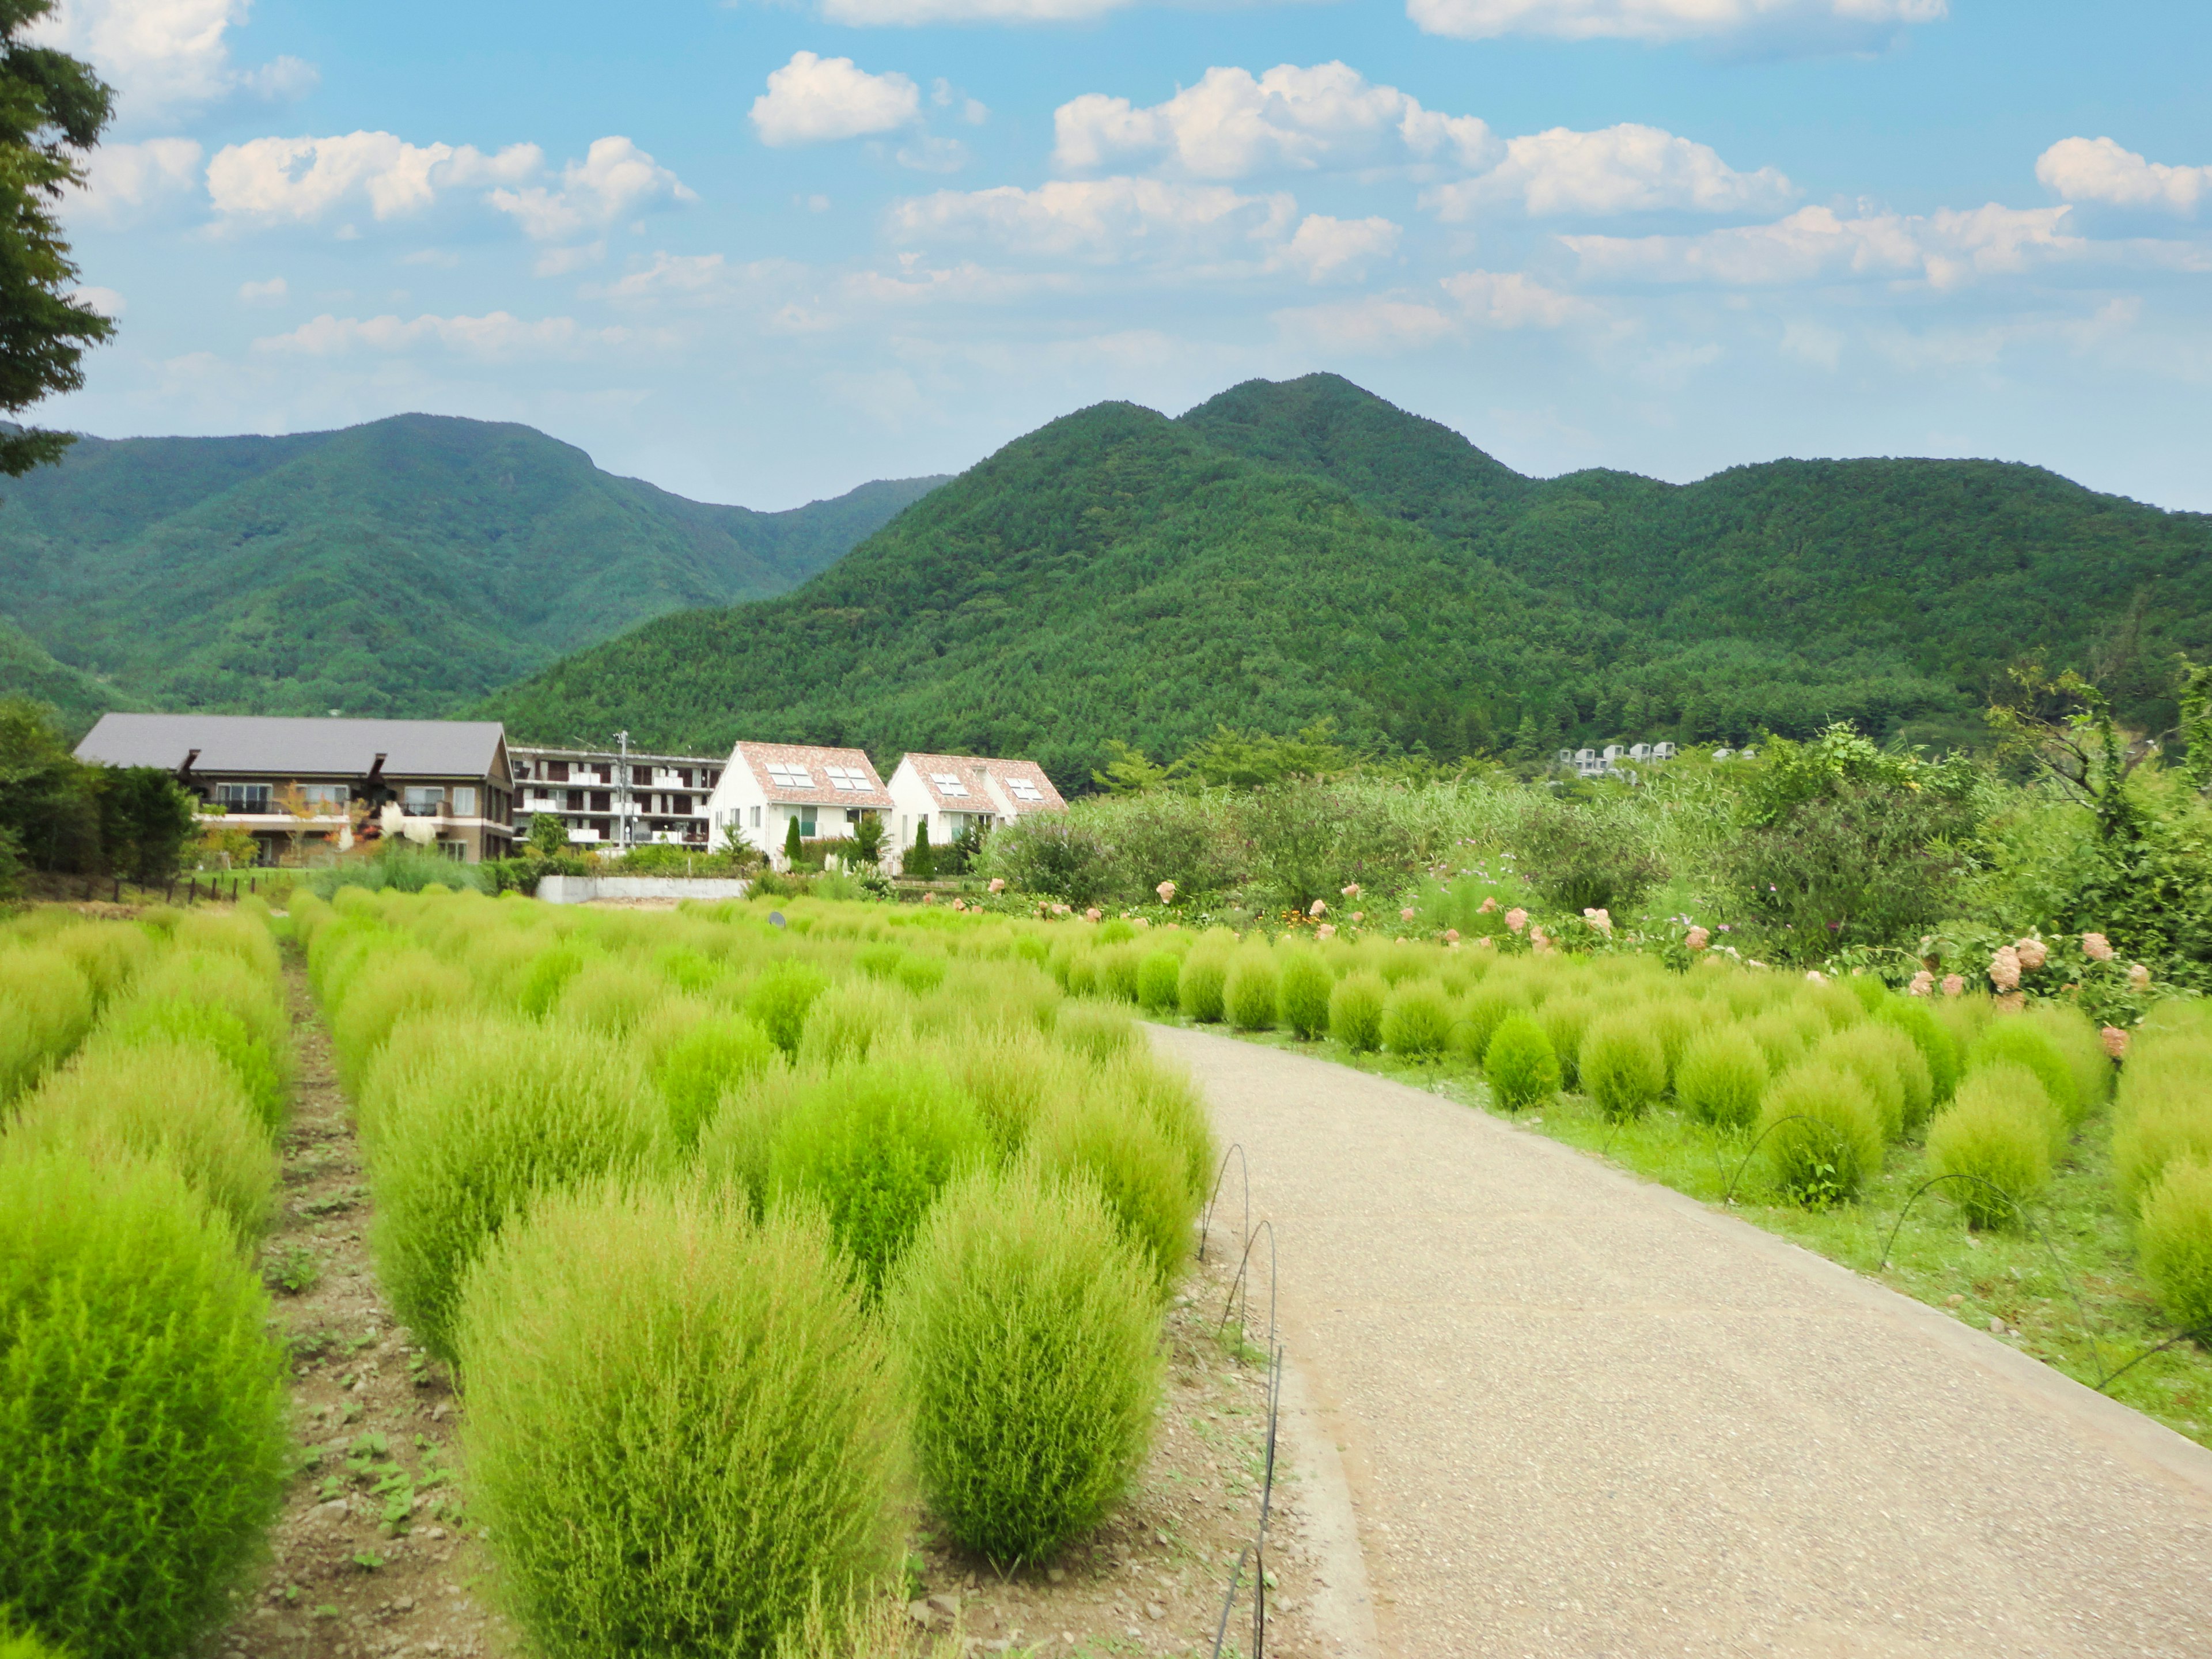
{"type": "Point", "coordinates": [1583, 1415]}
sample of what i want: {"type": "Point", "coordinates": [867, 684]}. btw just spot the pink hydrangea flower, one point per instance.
{"type": "Point", "coordinates": [1451, 935]}
{"type": "Point", "coordinates": [1516, 919]}
{"type": "Point", "coordinates": [2139, 977]}
{"type": "Point", "coordinates": [1094, 915]}
{"type": "Point", "coordinates": [1327, 930]}
{"type": "Point", "coordinates": [2032, 953]}
{"type": "Point", "coordinates": [1696, 939]}
{"type": "Point", "coordinates": [2116, 1041]}
{"type": "Point", "coordinates": [2004, 968]}
{"type": "Point", "coordinates": [2010, 1002]}
{"type": "Point", "coordinates": [998, 884]}
{"type": "Point", "coordinates": [1317, 908]}
{"type": "Point", "coordinates": [1953, 986]}
{"type": "Point", "coordinates": [1599, 920]}
{"type": "Point", "coordinates": [1485, 942]}
{"type": "Point", "coordinates": [959, 904]}
{"type": "Point", "coordinates": [2096, 947]}
{"type": "Point", "coordinates": [1539, 940]}
{"type": "Point", "coordinates": [1143, 921]}
{"type": "Point", "coordinates": [1489, 907]}
{"type": "Point", "coordinates": [1166, 890]}
{"type": "Point", "coordinates": [1922, 983]}
{"type": "Point", "coordinates": [1813, 975]}
{"type": "Point", "coordinates": [1407, 913]}
{"type": "Point", "coordinates": [1352, 891]}
{"type": "Point", "coordinates": [1358, 916]}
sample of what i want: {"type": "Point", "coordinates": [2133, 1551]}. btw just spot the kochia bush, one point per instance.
{"type": "Point", "coordinates": [1202, 985]}
{"type": "Point", "coordinates": [1137, 1168]}
{"type": "Point", "coordinates": [1305, 984]}
{"type": "Point", "coordinates": [2173, 1242]}
{"type": "Point", "coordinates": [144, 1441]}
{"type": "Point", "coordinates": [266, 1077]}
{"type": "Point", "coordinates": [1355, 1012]}
{"type": "Point", "coordinates": [1623, 1065]}
{"type": "Point", "coordinates": [1252, 995]}
{"type": "Point", "coordinates": [720, 1053]}
{"type": "Point", "coordinates": [1519, 1064]}
{"type": "Point", "coordinates": [45, 1008]}
{"type": "Point", "coordinates": [1417, 1020]}
{"type": "Point", "coordinates": [1821, 1134]}
{"type": "Point", "coordinates": [682, 1428]}
{"type": "Point", "coordinates": [1159, 977]}
{"type": "Point", "coordinates": [1994, 1136]}
{"type": "Point", "coordinates": [1722, 1077]}
{"type": "Point", "coordinates": [779, 1001]}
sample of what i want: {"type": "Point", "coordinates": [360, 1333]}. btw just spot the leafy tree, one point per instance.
{"type": "Point", "coordinates": [1584, 856]}
{"type": "Point", "coordinates": [146, 817]}
{"type": "Point", "coordinates": [1130, 771]}
{"type": "Point", "coordinates": [921, 860]}
{"type": "Point", "coordinates": [549, 834]}
{"type": "Point", "coordinates": [46, 805]}
{"type": "Point", "coordinates": [1251, 759]}
{"type": "Point", "coordinates": [52, 111]}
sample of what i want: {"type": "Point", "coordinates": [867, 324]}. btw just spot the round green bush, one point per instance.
{"type": "Point", "coordinates": [23, 1645]}
{"type": "Point", "coordinates": [1623, 1065]}
{"type": "Point", "coordinates": [1355, 1012]}
{"type": "Point", "coordinates": [1117, 970]}
{"type": "Point", "coordinates": [1097, 1034]}
{"type": "Point", "coordinates": [471, 1129]}
{"type": "Point", "coordinates": [2173, 1242]}
{"type": "Point", "coordinates": [45, 1008]}
{"type": "Point", "coordinates": [221, 981]}
{"type": "Point", "coordinates": [1565, 1020]}
{"type": "Point", "coordinates": [1159, 981]}
{"type": "Point", "coordinates": [266, 1077]}
{"type": "Point", "coordinates": [401, 984]}
{"type": "Point", "coordinates": [1305, 984]}
{"type": "Point", "coordinates": [542, 982]}
{"type": "Point", "coordinates": [1519, 1064]}
{"type": "Point", "coordinates": [143, 1433]}
{"type": "Point", "coordinates": [1140, 1082]}
{"type": "Point", "coordinates": [873, 1144]}
{"type": "Point", "coordinates": [1252, 995]}
{"type": "Point", "coordinates": [2007, 1039]}
{"type": "Point", "coordinates": [1997, 1138]}
{"type": "Point", "coordinates": [1202, 985]}
{"type": "Point", "coordinates": [1141, 1172]}
{"type": "Point", "coordinates": [920, 973]}
{"type": "Point", "coordinates": [1029, 1334]}
{"type": "Point", "coordinates": [778, 1001]}
{"type": "Point", "coordinates": [1821, 1133]}
{"type": "Point", "coordinates": [720, 1053]}
{"type": "Point", "coordinates": [1489, 1006]}
{"type": "Point", "coordinates": [608, 997]}
{"type": "Point", "coordinates": [2076, 1036]}
{"type": "Point", "coordinates": [110, 954]}
{"type": "Point", "coordinates": [681, 1426]}
{"type": "Point", "coordinates": [1079, 976]}
{"type": "Point", "coordinates": [1417, 1019]}
{"type": "Point", "coordinates": [174, 1101]}
{"type": "Point", "coordinates": [736, 1144]}
{"type": "Point", "coordinates": [1875, 1067]}
{"type": "Point", "coordinates": [1911, 1015]}
{"type": "Point", "coordinates": [2155, 1134]}
{"type": "Point", "coordinates": [1722, 1077]}
{"type": "Point", "coordinates": [848, 1022]}
{"type": "Point", "coordinates": [1878, 1044]}
{"type": "Point", "coordinates": [1780, 1037]}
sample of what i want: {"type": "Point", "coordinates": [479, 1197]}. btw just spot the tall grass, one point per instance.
{"type": "Point", "coordinates": [45, 1008]}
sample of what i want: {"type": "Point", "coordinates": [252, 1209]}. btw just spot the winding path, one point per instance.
{"type": "Point", "coordinates": [1583, 1415]}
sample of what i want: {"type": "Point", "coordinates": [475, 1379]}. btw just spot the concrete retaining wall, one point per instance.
{"type": "Point", "coordinates": [583, 889]}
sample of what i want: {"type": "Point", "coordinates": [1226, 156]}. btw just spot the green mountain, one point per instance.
{"type": "Point", "coordinates": [1286, 552]}
{"type": "Point", "coordinates": [406, 567]}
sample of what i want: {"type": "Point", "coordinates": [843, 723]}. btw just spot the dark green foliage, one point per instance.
{"type": "Point", "coordinates": [1519, 1065]}
{"type": "Point", "coordinates": [794, 847]}
{"type": "Point", "coordinates": [1029, 1333]}
{"type": "Point", "coordinates": [873, 1144]}
{"type": "Point", "coordinates": [1581, 857]}
{"type": "Point", "coordinates": [1355, 1012]}
{"type": "Point", "coordinates": [1306, 984]}
{"type": "Point", "coordinates": [395, 568]}
{"type": "Point", "coordinates": [681, 1426]}
{"type": "Point", "coordinates": [1047, 853]}
{"type": "Point", "coordinates": [145, 819]}
{"type": "Point", "coordinates": [722, 1053]}
{"type": "Point", "coordinates": [144, 1442]}
{"type": "Point", "coordinates": [779, 999]}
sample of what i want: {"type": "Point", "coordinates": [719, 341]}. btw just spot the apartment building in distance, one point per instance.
{"type": "Point", "coordinates": [610, 801]}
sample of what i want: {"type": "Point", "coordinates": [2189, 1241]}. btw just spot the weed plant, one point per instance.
{"type": "Point", "coordinates": [849, 1021]}
{"type": "Point", "coordinates": [779, 999]}
{"type": "Point", "coordinates": [266, 1078]}
{"type": "Point", "coordinates": [1252, 992]}
{"type": "Point", "coordinates": [1159, 981]}
{"type": "Point", "coordinates": [45, 1008]}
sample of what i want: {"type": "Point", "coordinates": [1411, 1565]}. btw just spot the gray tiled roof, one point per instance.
{"type": "Point", "coordinates": [275, 746]}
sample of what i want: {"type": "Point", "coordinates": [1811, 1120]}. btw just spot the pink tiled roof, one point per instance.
{"type": "Point", "coordinates": [756, 758]}
{"type": "Point", "coordinates": [974, 770]}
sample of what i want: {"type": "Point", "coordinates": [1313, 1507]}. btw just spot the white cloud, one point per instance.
{"type": "Point", "coordinates": [1103, 219]}
{"type": "Point", "coordinates": [614, 180]}
{"type": "Point", "coordinates": [1511, 300]}
{"type": "Point", "coordinates": [1945, 249]}
{"type": "Point", "coordinates": [1620, 169]}
{"type": "Point", "coordinates": [498, 334]}
{"type": "Point", "coordinates": [164, 54]}
{"type": "Point", "coordinates": [1233, 125]}
{"type": "Point", "coordinates": [867, 12]}
{"type": "Point", "coordinates": [1658, 21]}
{"type": "Point", "coordinates": [560, 261]}
{"type": "Point", "coordinates": [121, 180]}
{"type": "Point", "coordinates": [272, 292]}
{"type": "Point", "coordinates": [2099, 170]}
{"type": "Point", "coordinates": [812, 100]}
{"type": "Point", "coordinates": [1402, 322]}
{"type": "Point", "coordinates": [105, 300]}
{"type": "Point", "coordinates": [300, 180]}
{"type": "Point", "coordinates": [1324, 250]}
{"type": "Point", "coordinates": [967, 283]}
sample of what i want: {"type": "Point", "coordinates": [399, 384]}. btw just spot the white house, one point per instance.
{"type": "Point", "coordinates": [766, 785]}
{"type": "Point", "coordinates": [953, 794]}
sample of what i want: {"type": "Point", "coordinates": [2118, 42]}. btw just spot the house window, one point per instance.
{"type": "Point", "coordinates": [601, 801]}
{"type": "Point", "coordinates": [324, 799]}
{"type": "Point", "coordinates": [807, 823]}
{"type": "Point", "coordinates": [456, 850]}
{"type": "Point", "coordinates": [684, 804]}
{"type": "Point", "coordinates": [423, 800]}
{"type": "Point", "coordinates": [604, 827]}
{"type": "Point", "coordinates": [756, 817]}
{"type": "Point", "coordinates": [556, 771]}
{"type": "Point", "coordinates": [242, 797]}
{"type": "Point", "coordinates": [465, 801]}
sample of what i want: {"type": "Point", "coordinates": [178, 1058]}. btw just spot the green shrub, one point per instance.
{"type": "Point", "coordinates": [1417, 1020]}
{"type": "Point", "coordinates": [681, 1425]}
{"type": "Point", "coordinates": [1098, 1034]}
{"type": "Point", "coordinates": [266, 1077]}
{"type": "Point", "coordinates": [779, 1000]}
{"type": "Point", "coordinates": [2173, 1242]}
{"type": "Point", "coordinates": [1565, 1020]}
{"type": "Point", "coordinates": [221, 982]}
{"type": "Point", "coordinates": [1879, 1046]}
{"type": "Point", "coordinates": [607, 998]}
{"type": "Point", "coordinates": [1489, 1006]}
{"type": "Point", "coordinates": [873, 1144]}
{"type": "Point", "coordinates": [847, 1022]}
{"type": "Point", "coordinates": [2011, 1039]}
{"type": "Point", "coordinates": [920, 974]}
{"type": "Point", "coordinates": [1011, 1075]}
{"type": "Point", "coordinates": [542, 982]}
{"type": "Point", "coordinates": [143, 1433]}
{"type": "Point", "coordinates": [1252, 993]}
{"type": "Point", "coordinates": [1912, 1016]}
{"type": "Point", "coordinates": [1821, 1132]}
{"type": "Point", "coordinates": [1722, 1077]}
{"type": "Point", "coordinates": [1143, 1175]}
{"type": "Point", "coordinates": [23, 1645]}
{"type": "Point", "coordinates": [2153, 1135]}
{"type": "Point", "coordinates": [2077, 1039]}
{"type": "Point", "coordinates": [1519, 1064]}
{"type": "Point", "coordinates": [470, 1128]}
{"type": "Point", "coordinates": [1997, 1138]}
{"type": "Point", "coordinates": [1623, 1065]}
{"type": "Point", "coordinates": [403, 984]}
{"type": "Point", "coordinates": [45, 1009]}
{"type": "Point", "coordinates": [173, 1102]}
{"type": "Point", "coordinates": [110, 955]}
{"type": "Point", "coordinates": [720, 1053]}
{"type": "Point", "coordinates": [1117, 970]}
{"type": "Point", "coordinates": [1355, 1012]}
{"type": "Point", "coordinates": [1029, 1340]}
{"type": "Point", "coordinates": [1202, 985]}
{"type": "Point", "coordinates": [1780, 1037]}
{"type": "Point", "coordinates": [1080, 975]}
{"type": "Point", "coordinates": [1159, 982]}
{"type": "Point", "coordinates": [1304, 985]}
{"type": "Point", "coordinates": [1141, 1082]}
{"type": "Point", "coordinates": [735, 1146]}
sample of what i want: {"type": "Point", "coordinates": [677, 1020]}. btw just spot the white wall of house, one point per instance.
{"type": "Point", "coordinates": [766, 821]}
{"type": "Point", "coordinates": [913, 801]}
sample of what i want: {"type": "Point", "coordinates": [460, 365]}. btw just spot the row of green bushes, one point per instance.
{"type": "Point", "coordinates": [742, 1237]}
{"type": "Point", "coordinates": [142, 1433]}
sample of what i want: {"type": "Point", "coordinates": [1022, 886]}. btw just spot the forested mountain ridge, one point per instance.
{"type": "Point", "coordinates": [405, 567]}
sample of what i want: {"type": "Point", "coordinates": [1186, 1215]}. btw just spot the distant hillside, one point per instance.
{"type": "Point", "coordinates": [406, 567]}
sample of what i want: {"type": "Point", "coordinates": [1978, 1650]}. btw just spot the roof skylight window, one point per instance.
{"type": "Point", "coordinates": [948, 783]}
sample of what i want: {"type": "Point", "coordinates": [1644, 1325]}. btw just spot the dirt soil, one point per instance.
{"type": "Point", "coordinates": [373, 1555]}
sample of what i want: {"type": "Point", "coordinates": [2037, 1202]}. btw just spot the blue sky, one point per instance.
{"type": "Point", "coordinates": [761, 253]}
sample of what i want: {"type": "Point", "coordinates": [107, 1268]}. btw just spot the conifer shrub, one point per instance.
{"type": "Point", "coordinates": [1623, 1066]}
{"type": "Point", "coordinates": [540, 984]}
{"type": "Point", "coordinates": [720, 1053]}
{"type": "Point", "coordinates": [873, 1144]}
{"type": "Point", "coordinates": [1098, 1034]}
{"type": "Point", "coordinates": [1303, 989]}
{"type": "Point", "coordinates": [852, 1019]}
{"type": "Point", "coordinates": [1252, 992]}
{"type": "Point", "coordinates": [779, 1000]}
{"type": "Point", "coordinates": [1355, 1012]}
{"type": "Point", "coordinates": [2012, 1039]}
{"type": "Point", "coordinates": [1159, 982]}
{"type": "Point", "coordinates": [1202, 986]}
{"type": "Point", "coordinates": [266, 1077]}
{"type": "Point", "coordinates": [1996, 1133]}
{"type": "Point", "coordinates": [1417, 1019]}
{"type": "Point", "coordinates": [2173, 1242]}
{"type": "Point", "coordinates": [1565, 1020]}
{"type": "Point", "coordinates": [160, 1100]}
{"type": "Point", "coordinates": [1028, 1332]}
{"type": "Point", "coordinates": [143, 1433]}
{"type": "Point", "coordinates": [1821, 1133]}
{"type": "Point", "coordinates": [468, 1135]}
{"type": "Point", "coordinates": [1911, 1016]}
{"type": "Point", "coordinates": [1722, 1077]}
{"type": "Point", "coordinates": [1519, 1064]}
{"type": "Point", "coordinates": [1140, 1171]}
{"type": "Point", "coordinates": [683, 1431]}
